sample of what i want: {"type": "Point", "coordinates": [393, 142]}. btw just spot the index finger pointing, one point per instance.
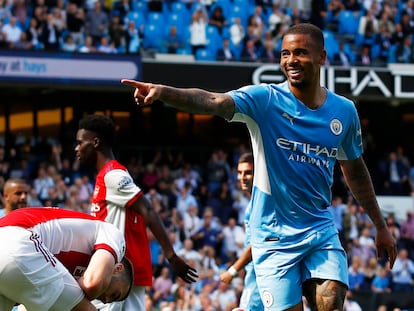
{"type": "Point", "coordinates": [132, 83]}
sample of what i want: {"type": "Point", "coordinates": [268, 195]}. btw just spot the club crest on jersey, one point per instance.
{"type": "Point", "coordinates": [267, 298]}
{"type": "Point", "coordinates": [336, 127]}
{"type": "Point", "coordinates": [124, 182]}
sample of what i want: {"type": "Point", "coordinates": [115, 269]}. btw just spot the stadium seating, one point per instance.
{"type": "Point", "coordinates": [331, 44]}
{"type": "Point", "coordinates": [348, 23]}
{"type": "Point", "coordinates": [205, 55]}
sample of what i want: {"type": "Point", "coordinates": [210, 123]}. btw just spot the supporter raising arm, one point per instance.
{"type": "Point", "coordinates": [298, 130]}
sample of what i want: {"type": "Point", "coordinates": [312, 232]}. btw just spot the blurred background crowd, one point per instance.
{"type": "Point", "coordinates": [357, 32]}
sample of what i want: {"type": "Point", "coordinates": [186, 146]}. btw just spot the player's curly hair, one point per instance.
{"type": "Point", "coordinates": [103, 126]}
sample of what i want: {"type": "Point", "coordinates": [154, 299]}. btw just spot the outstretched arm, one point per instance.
{"type": "Point", "coordinates": [154, 223]}
{"type": "Point", "coordinates": [240, 263]}
{"type": "Point", "coordinates": [359, 181]}
{"type": "Point", "coordinates": [189, 100]}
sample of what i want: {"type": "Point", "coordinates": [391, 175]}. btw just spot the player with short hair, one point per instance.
{"type": "Point", "coordinates": [57, 259]}
{"type": "Point", "coordinates": [118, 200]}
{"type": "Point", "coordinates": [15, 191]}
{"type": "Point", "coordinates": [250, 297]}
{"type": "Point", "coordinates": [299, 130]}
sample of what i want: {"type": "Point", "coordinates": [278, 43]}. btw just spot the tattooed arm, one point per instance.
{"type": "Point", "coordinates": [189, 100]}
{"type": "Point", "coordinates": [359, 182]}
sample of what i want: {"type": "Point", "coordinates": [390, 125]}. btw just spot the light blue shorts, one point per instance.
{"type": "Point", "coordinates": [250, 299]}
{"type": "Point", "coordinates": [281, 269]}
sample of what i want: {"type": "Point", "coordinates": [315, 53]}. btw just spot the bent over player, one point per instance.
{"type": "Point", "coordinates": [56, 259]}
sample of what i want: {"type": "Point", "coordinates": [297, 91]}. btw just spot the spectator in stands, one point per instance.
{"type": "Point", "coordinates": [407, 24]}
{"type": "Point", "coordinates": [366, 244]}
{"type": "Point", "coordinates": [75, 21]}
{"type": "Point", "coordinates": [69, 45]}
{"type": "Point", "coordinates": [369, 270]}
{"type": "Point", "coordinates": [364, 57]}
{"type": "Point", "coordinates": [384, 40]}
{"type": "Point", "coordinates": [96, 23]}
{"type": "Point", "coordinates": [269, 54]}
{"type": "Point", "coordinates": [224, 297]}
{"type": "Point", "coordinates": [258, 20]}
{"type": "Point", "coordinates": [209, 234]}
{"type": "Point", "coordinates": [173, 40]}
{"type": "Point", "coordinates": [50, 34]}
{"type": "Point", "coordinates": [318, 13]}
{"type": "Point", "coordinates": [250, 53]}
{"type": "Point", "coordinates": [404, 52]}
{"type": "Point", "coordinates": [39, 12]}
{"type": "Point", "coordinates": [222, 202]}
{"type": "Point", "coordinates": [407, 234]}
{"type": "Point", "coordinates": [122, 8]}
{"type": "Point", "coordinates": [342, 57]}
{"type": "Point", "coordinates": [338, 210]}
{"type": "Point", "coordinates": [133, 38]}
{"type": "Point", "coordinates": [352, 5]}
{"type": "Point", "coordinates": [402, 272]}
{"type": "Point", "coordinates": [350, 303]}
{"type": "Point", "coordinates": [226, 53]}
{"type": "Point", "coordinates": [351, 222]}
{"type": "Point", "coordinates": [11, 31]}
{"type": "Point", "coordinates": [42, 183]}
{"type": "Point", "coordinates": [398, 35]}
{"type": "Point", "coordinates": [189, 254]}
{"type": "Point", "coordinates": [382, 281]}
{"type": "Point", "coordinates": [198, 36]}
{"type": "Point", "coordinates": [274, 20]}
{"type": "Point", "coordinates": [33, 33]}
{"type": "Point", "coordinates": [23, 44]}
{"type": "Point", "coordinates": [334, 9]}
{"type": "Point", "coordinates": [192, 222]}
{"type": "Point", "coordinates": [233, 240]}
{"type": "Point", "coordinates": [218, 170]}
{"type": "Point", "coordinates": [393, 226]}
{"type": "Point", "coordinates": [59, 19]}
{"type": "Point", "coordinates": [218, 19]}
{"type": "Point", "coordinates": [356, 277]}
{"type": "Point", "coordinates": [395, 175]}
{"type": "Point", "coordinates": [387, 19]}
{"type": "Point", "coordinates": [87, 46]}
{"type": "Point", "coordinates": [185, 199]}
{"type": "Point", "coordinates": [237, 33]}
{"type": "Point", "coordinates": [106, 46]}
{"type": "Point", "coordinates": [116, 32]}
{"type": "Point", "coordinates": [161, 289]}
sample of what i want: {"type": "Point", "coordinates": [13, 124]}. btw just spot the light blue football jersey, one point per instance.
{"type": "Point", "coordinates": [295, 149]}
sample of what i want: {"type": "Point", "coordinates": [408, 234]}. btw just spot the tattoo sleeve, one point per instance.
{"type": "Point", "coordinates": [198, 101]}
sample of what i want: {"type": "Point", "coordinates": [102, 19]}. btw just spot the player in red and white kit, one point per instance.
{"type": "Point", "coordinates": [56, 259]}
{"type": "Point", "coordinates": [117, 199]}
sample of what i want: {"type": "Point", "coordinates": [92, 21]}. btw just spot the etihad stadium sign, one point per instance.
{"type": "Point", "coordinates": [396, 80]}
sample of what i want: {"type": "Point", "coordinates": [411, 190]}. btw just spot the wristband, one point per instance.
{"type": "Point", "coordinates": [233, 272]}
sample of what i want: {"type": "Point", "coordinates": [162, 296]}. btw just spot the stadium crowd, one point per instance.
{"type": "Point", "coordinates": [203, 208]}
{"type": "Point", "coordinates": [356, 32]}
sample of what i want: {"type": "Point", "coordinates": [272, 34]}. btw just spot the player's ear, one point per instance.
{"type": "Point", "coordinates": [119, 267]}
{"type": "Point", "coordinates": [96, 141]}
